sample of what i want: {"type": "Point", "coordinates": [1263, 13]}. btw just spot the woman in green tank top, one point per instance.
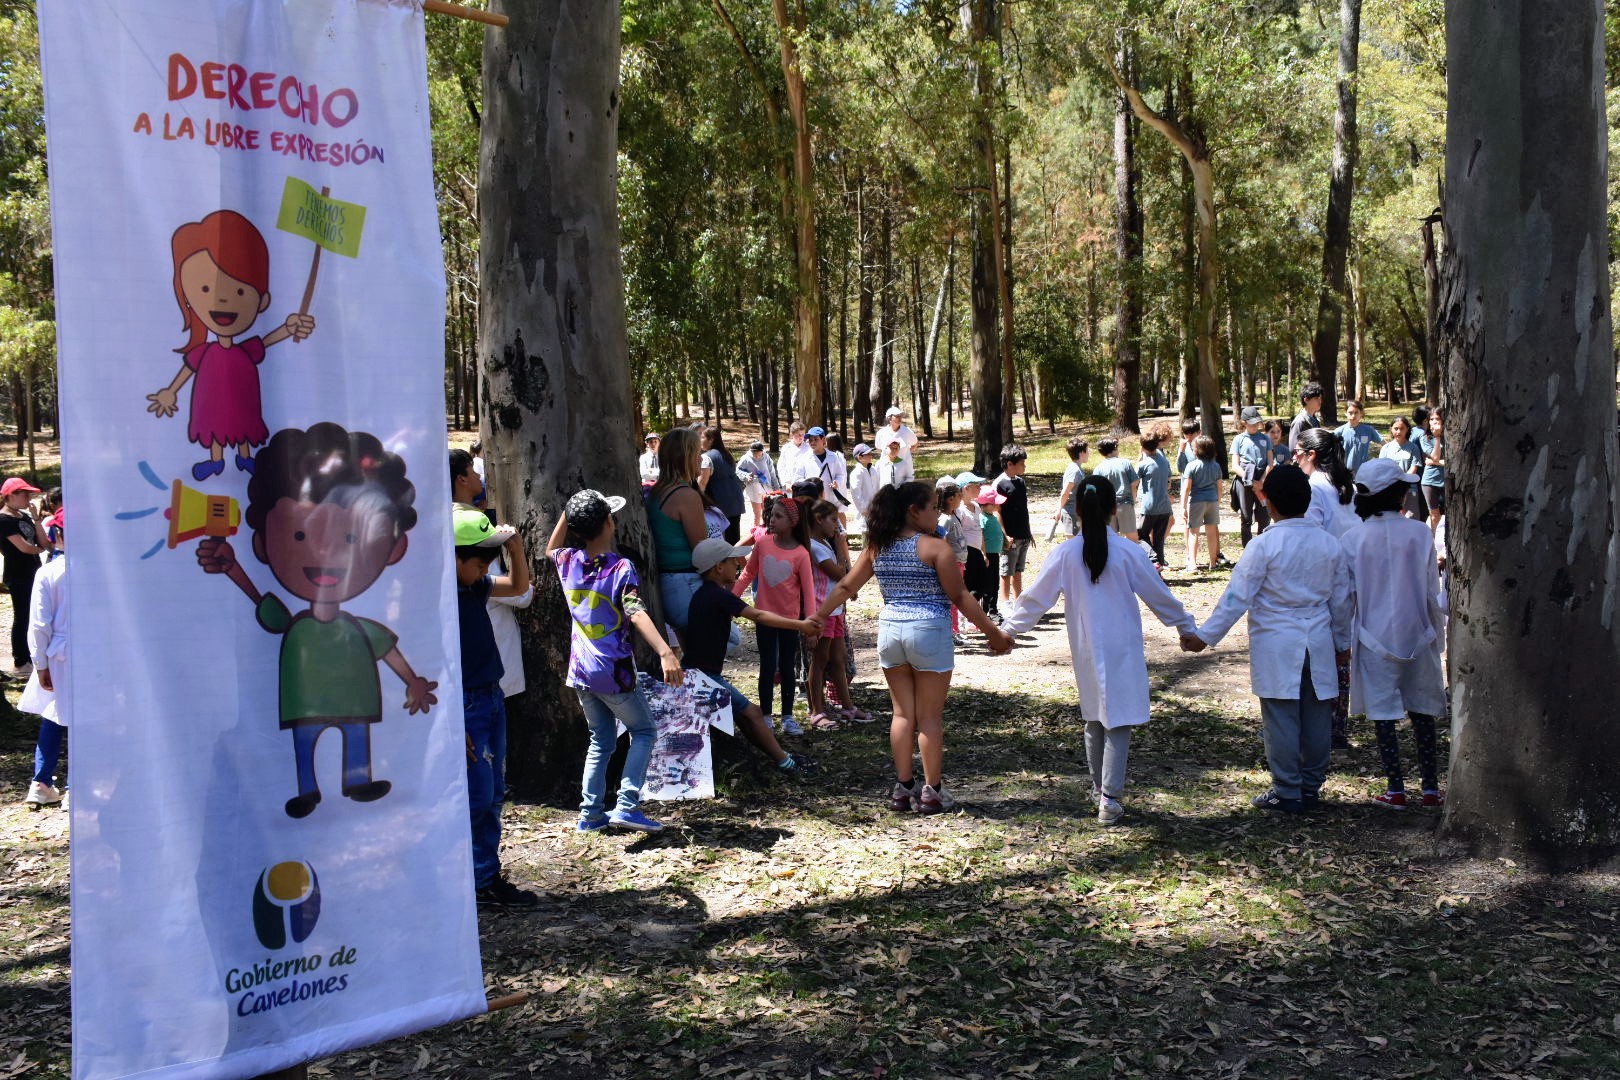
{"type": "Point", "coordinates": [675, 516]}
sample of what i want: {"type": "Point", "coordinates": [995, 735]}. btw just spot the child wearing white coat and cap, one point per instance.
{"type": "Point", "coordinates": [1400, 628]}
{"type": "Point", "coordinates": [1101, 578]}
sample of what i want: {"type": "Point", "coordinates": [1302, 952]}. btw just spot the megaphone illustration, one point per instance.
{"type": "Point", "coordinates": [192, 514]}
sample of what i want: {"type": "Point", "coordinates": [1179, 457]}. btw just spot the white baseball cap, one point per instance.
{"type": "Point", "coordinates": [1380, 474]}
{"type": "Point", "coordinates": [713, 551]}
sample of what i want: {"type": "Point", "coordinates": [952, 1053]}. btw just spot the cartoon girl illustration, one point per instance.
{"type": "Point", "coordinates": [222, 283]}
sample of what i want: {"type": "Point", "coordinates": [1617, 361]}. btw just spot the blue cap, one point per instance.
{"type": "Point", "coordinates": [816, 433]}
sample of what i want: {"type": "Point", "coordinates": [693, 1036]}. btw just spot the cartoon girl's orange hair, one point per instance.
{"type": "Point", "coordinates": [236, 248]}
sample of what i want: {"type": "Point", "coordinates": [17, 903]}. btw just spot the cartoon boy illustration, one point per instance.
{"type": "Point", "coordinates": [222, 282]}
{"type": "Point", "coordinates": [329, 510]}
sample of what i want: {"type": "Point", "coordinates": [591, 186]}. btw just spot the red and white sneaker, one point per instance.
{"type": "Point", "coordinates": [903, 800]}
{"type": "Point", "coordinates": [1395, 800]}
{"type": "Point", "coordinates": [1433, 798]}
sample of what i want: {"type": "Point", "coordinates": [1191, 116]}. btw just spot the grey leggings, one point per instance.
{"type": "Point", "coordinates": [1106, 752]}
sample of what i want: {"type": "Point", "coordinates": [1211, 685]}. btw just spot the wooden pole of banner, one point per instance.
{"type": "Point", "coordinates": [314, 267]}
{"type": "Point", "coordinates": [442, 7]}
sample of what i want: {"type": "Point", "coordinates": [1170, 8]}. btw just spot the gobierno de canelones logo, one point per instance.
{"type": "Point", "coordinates": [286, 904]}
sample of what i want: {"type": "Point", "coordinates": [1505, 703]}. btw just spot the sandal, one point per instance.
{"type": "Point", "coordinates": [821, 722]}
{"type": "Point", "coordinates": [857, 716]}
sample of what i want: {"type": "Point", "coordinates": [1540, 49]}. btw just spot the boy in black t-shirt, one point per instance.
{"type": "Point", "coordinates": [1014, 519]}
{"type": "Point", "coordinates": [708, 632]}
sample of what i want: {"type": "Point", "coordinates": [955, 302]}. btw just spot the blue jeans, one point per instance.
{"type": "Point", "coordinates": [48, 751]}
{"type": "Point", "coordinates": [601, 710]}
{"type": "Point", "coordinates": [484, 716]}
{"type": "Point", "coordinates": [356, 753]}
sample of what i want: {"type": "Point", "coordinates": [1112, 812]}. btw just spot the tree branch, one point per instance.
{"type": "Point", "coordinates": [749, 61]}
{"type": "Point", "coordinates": [1170, 129]}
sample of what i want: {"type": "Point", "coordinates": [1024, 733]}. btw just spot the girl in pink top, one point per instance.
{"type": "Point", "coordinates": [780, 567]}
{"type": "Point", "coordinates": [222, 283]}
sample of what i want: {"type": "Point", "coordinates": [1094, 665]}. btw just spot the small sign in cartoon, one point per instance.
{"type": "Point", "coordinates": [329, 510]}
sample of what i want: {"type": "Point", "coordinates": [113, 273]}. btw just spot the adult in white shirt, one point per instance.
{"type": "Point", "coordinates": [895, 431]}
{"type": "Point", "coordinates": [1294, 584]}
{"type": "Point", "coordinates": [788, 456]}
{"type": "Point", "coordinates": [828, 466]}
{"type": "Point", "coordinates": [649, 460]}
{"type": "Point", "coordinates": [45, 695]}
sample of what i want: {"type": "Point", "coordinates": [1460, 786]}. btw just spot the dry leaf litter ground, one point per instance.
{"type": "Point", "coordinates": [804, 931]}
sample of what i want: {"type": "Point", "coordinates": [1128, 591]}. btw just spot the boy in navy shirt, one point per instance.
{"type": "Point", "coordinates": [483, 704]}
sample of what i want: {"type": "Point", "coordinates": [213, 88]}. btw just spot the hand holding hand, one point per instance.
{"type": "Point", "coordinates": [1193, 643]}
{"type": "Point", "coordinates": [216, 556]}
{"type": "Point", "coordinates": [163, 403]}
{"type": "Point", "coordinates": [299, 326]}
{"type": "Point", "coordinates": [419, 695]}
{"type": "Point", "coordinates": [1000, 641]}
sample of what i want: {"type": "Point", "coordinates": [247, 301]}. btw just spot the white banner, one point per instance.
{"type": "Point", "coordinates": [271, 852]}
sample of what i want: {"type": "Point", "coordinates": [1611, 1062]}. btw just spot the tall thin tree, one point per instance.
{"type": "Point", "coordinates": [1334, 289]}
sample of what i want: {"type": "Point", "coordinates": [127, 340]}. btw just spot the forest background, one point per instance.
{"type": "Point", "coordinates": [905, 106]}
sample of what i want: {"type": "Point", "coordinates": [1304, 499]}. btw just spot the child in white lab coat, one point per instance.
{"type": "Point", "coordinates": [47, 647]}
{"type": "Point", "coordinates": [1294, 584]}
{"type": "Point", "coordinates": [1399, 626]}
{"type": "Point", "coordinates": [1100, 579]}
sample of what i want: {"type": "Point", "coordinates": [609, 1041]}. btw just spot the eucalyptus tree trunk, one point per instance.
{"type": "Point", "coordinates": [865, 419]}
{"type": "Point", "coordinates": [1128, 246]}
{"type": "Point", "coordinates": [551, 323]}
{"type": "Point", "coordinates": [1530, 434]}
{"type": "Point", "coordinates": [1336, 233]}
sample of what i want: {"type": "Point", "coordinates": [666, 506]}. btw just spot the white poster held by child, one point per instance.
{"type": "Point", "coordinates": [682, 764]}
{"type": "Point", "coordinates": [271, 857]}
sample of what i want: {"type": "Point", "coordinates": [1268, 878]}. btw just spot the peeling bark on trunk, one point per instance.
{"type": "Point", "coordinates": [1336, 233]}
{"type": "Point", "coordinates": [1532, 497]}
{"type": "Point", "coordinates": [552, 327]}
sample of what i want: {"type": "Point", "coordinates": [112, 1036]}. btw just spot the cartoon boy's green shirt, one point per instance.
{"type": "Point", "coordinates": [328, 670]}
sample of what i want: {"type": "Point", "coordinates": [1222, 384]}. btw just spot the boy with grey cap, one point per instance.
{"type": "Point", "coordinates": [708, 632]}
{"type": "Point", "coordinates": [1251, 457]}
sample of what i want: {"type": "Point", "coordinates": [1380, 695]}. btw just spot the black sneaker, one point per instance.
{"type": "Point", "coordinates": [370, 791]}
{"type": "Point", "coordinates": [797, 767]}
{"type": "Point", "coordinates": [1310, 801]}
{"type": "Point", "coordinates": [503, 894]}
{"type": "Point", "coordinates": [299, 806]}
{"type": "Point", "coordinates": [1273, 801]}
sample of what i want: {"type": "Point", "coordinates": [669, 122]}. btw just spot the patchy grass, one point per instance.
{"type": "Point", "coordinates": [805, 931]}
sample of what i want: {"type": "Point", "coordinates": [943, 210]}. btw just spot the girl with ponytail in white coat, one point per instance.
{"type": "Point", "coordinates": [1100, 577]}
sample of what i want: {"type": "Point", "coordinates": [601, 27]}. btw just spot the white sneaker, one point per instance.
{"type": "Point", "coordinates": [791, 726]}
{"type": "Point", "coordinates": [1109, 811]}
{"type": "Point", "coordinates": [42, 795]}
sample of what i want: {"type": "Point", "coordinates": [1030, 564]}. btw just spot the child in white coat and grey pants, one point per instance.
{"type": "Point", "coordinates": [1100, 577]}
{"type": "Point", "coordinates": [1294, 584]}
{"type": "Point", "coordinates": [1400, 627]}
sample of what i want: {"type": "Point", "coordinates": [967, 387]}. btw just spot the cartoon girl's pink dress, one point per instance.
{"type": "Point", "coordinates": [225, 402]}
